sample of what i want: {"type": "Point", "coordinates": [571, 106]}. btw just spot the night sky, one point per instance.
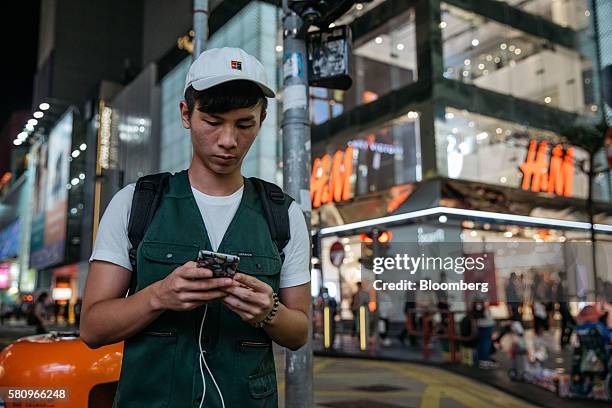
{"type": "Point", "coordinates": [19, 47]}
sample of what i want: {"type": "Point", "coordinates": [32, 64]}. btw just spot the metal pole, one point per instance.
{"type": "Point", "coordinates": [296, 176]}
{"type": "Point", "coordinates": [200, 26]}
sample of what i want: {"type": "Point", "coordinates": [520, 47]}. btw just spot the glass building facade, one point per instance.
{"type": "Point", "coordinates": [475, 95]}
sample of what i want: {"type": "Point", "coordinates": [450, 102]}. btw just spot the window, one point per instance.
{"type": "Point", "coordinates": [566, 13]}
{"type": "Point", "coordinates": [500, 58]}
{"type": "Point", "coordinates": [383, 61]}
{"type": "Point", "coordinates": [383, 157]}
{"type": "Point", "coordinates": [488, 150]}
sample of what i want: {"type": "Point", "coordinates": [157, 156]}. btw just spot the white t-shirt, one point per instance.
{"type": "Point", "coordinates": [113, 245]}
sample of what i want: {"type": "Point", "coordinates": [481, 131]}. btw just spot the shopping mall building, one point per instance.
{"type": "Point", "coordinates": [456, 109]}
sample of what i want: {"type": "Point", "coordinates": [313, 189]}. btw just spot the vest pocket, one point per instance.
{"type": "Point", "coordinates": [262, 385]}
{"type": "Point", "coordinates": [169, 253]}
{"type": "Point", "coordinates": [147, 370]}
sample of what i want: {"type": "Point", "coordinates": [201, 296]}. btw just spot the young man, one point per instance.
{"type": "Point", "coordinates": [191, 339]}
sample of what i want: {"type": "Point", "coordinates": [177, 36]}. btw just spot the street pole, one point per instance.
{"type": "Point", "coordinates": [296, 176]}
{"type": "Point", "coordinates": [200, 26]}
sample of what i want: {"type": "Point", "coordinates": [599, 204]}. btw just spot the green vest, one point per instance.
{"type": "Point", "coordinates": [161, 365]}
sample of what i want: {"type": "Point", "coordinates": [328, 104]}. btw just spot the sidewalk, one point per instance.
{"type": "Point", "coordinates": [358, 383]}
{"type": "Point", "coordinates": [347, 347]}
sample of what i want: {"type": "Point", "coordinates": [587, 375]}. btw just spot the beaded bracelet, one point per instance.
{"type": "Point", "coordinates": [270, 315]}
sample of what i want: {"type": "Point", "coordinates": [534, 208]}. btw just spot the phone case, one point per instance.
{"type": "Point", "coordinates": [221, 265]}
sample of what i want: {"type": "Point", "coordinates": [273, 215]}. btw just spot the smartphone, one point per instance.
{"type": "Point", "coordinates": [221, 265]}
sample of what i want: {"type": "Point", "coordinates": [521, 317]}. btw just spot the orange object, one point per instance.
{"type": "Point", "coordinates": [556, 176]}
{"type": "Point", "coordinates": [327, 185]}
{"type": "Point", "coordinates": [58, 361]}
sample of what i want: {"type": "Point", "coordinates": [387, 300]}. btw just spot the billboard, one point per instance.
{"type": "Point", "coordinates": [9, 240]}
{"type": "Point", "coordinates": [51, 196]}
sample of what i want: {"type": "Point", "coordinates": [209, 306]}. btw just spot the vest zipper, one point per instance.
{"type": "Point", "coordinates": [254, 344]}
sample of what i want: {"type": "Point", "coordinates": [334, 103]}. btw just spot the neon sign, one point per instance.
{"type": "Point", "coordinates": [331, 178]}
{"type": "Point", "coordinates": [554, 176]}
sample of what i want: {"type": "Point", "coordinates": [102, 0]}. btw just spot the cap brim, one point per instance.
{"type": "Point", "coordinates": [205, 83]}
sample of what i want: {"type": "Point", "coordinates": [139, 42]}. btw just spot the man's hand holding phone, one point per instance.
{"type": "Point", "coordinates": [188, 287]}
{"type": "Point", "coordinates": [249, 298]}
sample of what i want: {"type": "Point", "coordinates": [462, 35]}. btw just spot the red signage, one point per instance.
{"type": "Point", "coordinates": [336, 254]}
{"type": "Point", "coordinates": [331, 178]}
{"type": "Point", "coordinates": [554, 175]}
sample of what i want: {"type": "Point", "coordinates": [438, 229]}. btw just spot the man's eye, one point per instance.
{"type": "Point", "coordinates": [245, 126]}
{"type": "Point", "coordinates": [212, 123]}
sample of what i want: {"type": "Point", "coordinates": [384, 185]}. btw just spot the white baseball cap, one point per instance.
{"type": "Point", "coordinates": [219, 65]}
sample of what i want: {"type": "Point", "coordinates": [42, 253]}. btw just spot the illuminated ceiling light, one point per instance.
{"type": "Point", "coordinates": [400, 46]}
{"type": "Point", "coordinates": [508, 234]}
{"type": "Point", "coordinates": [82, 176]}
{"type": "Point", "coordinates": [442, 219]}
{"type": "Point", "coordinates": [413, 115]}
{"type": "Point", "coordinates": [485, 72]}
{"type": "Point", "coordinates": [511, 48]}
{"type": "Point", "coordinates": [503, 179]}
{"type": "Point", "coordinates": [443, 24]}
{"type": "Point", "coordinates": [359, 6]}
{"type": "Point", "coordinates": [17, 142]}
{"type": "Point", "coordinates": [548, 99]}
{"type": "Point", "coordinates": [517, 51]}
{"type": "Point", "coordinates": [455, 131]}
{"type": "Point", "coordinates": [38, 114]}
{"type": "Point", "coordinates": [76, 154]}
{"type": "Point", "coordinates": [32, 122]}
{"type": "Point", "coordinates": [499, 131]}
{"type": "Point", "coordinates": [503, 46]}
{"type": "Point", "coordinates": [83, 146]}
{"type": "Point", "coordinates": [449, 115]}
{"type": "Point", "coordinates": [378, 40]}
{"type": "Point", "coordinates": [473, 233]}
{"type": "Point", "coordinates": [44, 106]}
{"type": "Point", "coordinates": [587, 13]}
{"type": "Point", "coordinates": [475, 42]}
{"type": "Point", "coordinates": [482, 136]}
{"type": "Point", "coordinates": [489, 58]}
{"type": "Point", "coordinates": [74, 181]}
{"type": "Point", "coordinates": [593, 108]}
{"type": "Point", "coordinates": [332, 25]}
{"type": "Point", "coordinates": [467, 62]}
{"type": "Point", "coordinates": [279, 48]}
{"type": "Point", "coordinates": [508, 132]}
{"type": "Point", "coordinates": [481, 66]}
{"type": "Point", "coordinates": [22, 135]}
{"type": "Point", "coordinates": [497, 60]}
{"type": "Point", "coordinates": [465, 73]}
{"type": "Point", "coordinates": [471, 124]}
{"type": "Point", "coordinates": [29, 128]}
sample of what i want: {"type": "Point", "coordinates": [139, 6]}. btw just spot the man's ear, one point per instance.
{"type": "Point", "coordinates": [185, 115]}
{"type": "Point", "coordinates": [264, 114]}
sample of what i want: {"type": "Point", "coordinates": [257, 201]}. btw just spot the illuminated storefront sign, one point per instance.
{"type": "Point", "coordinates": [554, 176]}
{"type": "Point", "coordinates": [331, 178]}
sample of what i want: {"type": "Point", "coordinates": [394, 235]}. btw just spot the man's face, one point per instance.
{"type": "Point", "coordinates": [221, 140]}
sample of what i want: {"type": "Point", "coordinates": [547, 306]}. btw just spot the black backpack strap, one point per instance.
{"type": "Point", "coordinates": [147, 197]}
{"type": "Point", "coordinates": [275, 205]}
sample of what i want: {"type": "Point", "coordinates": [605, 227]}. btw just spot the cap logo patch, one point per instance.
{"type": "Point", "coordinates": [237, 65]}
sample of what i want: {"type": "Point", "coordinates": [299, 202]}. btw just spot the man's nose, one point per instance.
{"type": "Point", "coordinates": [228, 138]}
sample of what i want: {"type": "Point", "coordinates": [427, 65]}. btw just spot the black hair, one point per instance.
{"type": "Point", "coordinates": [226, 97]}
